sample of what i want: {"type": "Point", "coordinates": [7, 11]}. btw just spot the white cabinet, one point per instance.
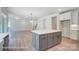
{"type": "Point", "coordinates": [62, 17]}
{"type": "Point", "coordinates": [50, 40]}
{"type": "Point", "coordinates": [65, 16]}
{"type": "Point", "coordinates": [74, 25]}
{"type": "Point", "coordinates": [74, 34]}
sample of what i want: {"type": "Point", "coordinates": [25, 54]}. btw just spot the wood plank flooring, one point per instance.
{"type": "Point", "coordinates": [22, 41]}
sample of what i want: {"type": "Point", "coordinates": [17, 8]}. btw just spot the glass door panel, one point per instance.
{"type": "Point", "coordinates": [3, 24]}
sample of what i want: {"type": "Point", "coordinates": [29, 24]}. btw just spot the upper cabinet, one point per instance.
{"type": "Point", "coordinates": [65, 16]}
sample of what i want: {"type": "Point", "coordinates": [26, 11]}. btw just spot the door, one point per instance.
{"type": "Point", "coordinates": [50, 40]}
{"type": "Point", "coordinates": [3, 24]}
{"type": "Point", "coordinates": [54, 23]}
{"type": "Point", "coordinates": [0, 24]}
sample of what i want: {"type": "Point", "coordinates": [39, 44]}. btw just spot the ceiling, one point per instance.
{"type": "Point", "coordinates": [25, 12]}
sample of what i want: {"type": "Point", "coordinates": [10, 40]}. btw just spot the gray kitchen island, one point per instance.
{"type": "Point", "coordinates": [44, 39]}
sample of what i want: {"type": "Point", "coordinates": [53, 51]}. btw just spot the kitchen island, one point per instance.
{"type": "Point", "coordinates": [44, 39]}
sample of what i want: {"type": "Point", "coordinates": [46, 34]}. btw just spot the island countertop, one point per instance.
{"type": "Point", "coordinates": [3, 40]}
{"type": "Point", "coordinates": [45, 31]}
{"type": "Point", "coordinates": [2, 35]}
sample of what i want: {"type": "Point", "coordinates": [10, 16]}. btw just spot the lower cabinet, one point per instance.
{"type": "Point", "coordinates": [50, 40]}
{"type": "Point", "coordinates": [45, 41]}
{"type": "Point", "coordinates": [57, 38]}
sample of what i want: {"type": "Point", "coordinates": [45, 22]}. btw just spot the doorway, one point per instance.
{"type": "Point", "coordinates": [65, 27]}
{"type": "Point", "coordinates": [54, 23]}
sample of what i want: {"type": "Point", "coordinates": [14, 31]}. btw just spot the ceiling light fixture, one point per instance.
{"type": "Point", "coordinates": [59, 10]}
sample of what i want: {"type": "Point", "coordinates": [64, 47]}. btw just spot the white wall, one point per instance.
{"type": "Point", "coordinates": [17, 24]}
{"type": "Point", "coordinates": [20, 25]}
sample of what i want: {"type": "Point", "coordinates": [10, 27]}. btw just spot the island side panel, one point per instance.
{"type": "Point", "coordinates": [43, 42]}
{"type": "Point", "coordinates": [33, 40]}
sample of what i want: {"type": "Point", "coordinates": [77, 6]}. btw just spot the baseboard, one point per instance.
{"type": "Point", "coordinates": [66, 37]}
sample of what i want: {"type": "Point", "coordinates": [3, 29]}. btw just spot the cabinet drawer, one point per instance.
{"type": "Point", "coordinates": [43, 36]}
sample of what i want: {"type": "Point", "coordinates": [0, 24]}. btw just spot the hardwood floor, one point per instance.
{"type": "Point", "coordinates": [22, 41]}
{"type": "Point", "coordinates": [67, 44]}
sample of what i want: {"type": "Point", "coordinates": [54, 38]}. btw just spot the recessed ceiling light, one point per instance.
{"type": "Point", "coordinates": [31, 21]}
{"type": "Point", "coordinates": [59, 10]}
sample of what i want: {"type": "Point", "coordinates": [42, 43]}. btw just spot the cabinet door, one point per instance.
{"type": "Point", "coordinates": [74, 35]}
{"type": "Point", "coordinates": [43, 42]}
{"type": "Point", "coordinates": [61, 16]}
{"type": "Point", "coordinates": [65, 16]}
{"type": "Point", "coordinates": [68, 15]}
{"type": "Point", "coordinates": [50, 40]}
{"type": "Point", "coordinates": [57, 38]}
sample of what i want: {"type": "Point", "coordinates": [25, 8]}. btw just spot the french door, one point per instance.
{"type": "Point", "coordinates": [3, 24]}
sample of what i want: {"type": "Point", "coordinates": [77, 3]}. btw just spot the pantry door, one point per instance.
{"type": "Point", "coordinates": [54, 23]}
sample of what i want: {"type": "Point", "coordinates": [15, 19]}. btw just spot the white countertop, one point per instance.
{"type": "Point", "coordinates": [2, 35]}
{"type": "Point", "coordinates": [45, 31]}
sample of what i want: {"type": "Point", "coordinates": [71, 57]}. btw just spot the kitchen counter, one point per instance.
{"type": "Point", "coordinates": [44, 39]}
{"type": "Point", "coordinates": [4, 40]}
{"type": "Point", "coordinates": [45, 31]}
{"type": "Point", "coordinates": [3, 35]}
